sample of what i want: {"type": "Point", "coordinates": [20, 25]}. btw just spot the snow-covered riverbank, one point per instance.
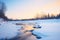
{"type": "Point", "coordinates": [49, 29]}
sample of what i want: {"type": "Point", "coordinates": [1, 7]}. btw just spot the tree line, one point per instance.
{"type": "Point", "coordinates": [48, 16]}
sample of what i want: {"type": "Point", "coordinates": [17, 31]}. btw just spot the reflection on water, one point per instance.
{"type": "Point", "coordinates": [27, 32]}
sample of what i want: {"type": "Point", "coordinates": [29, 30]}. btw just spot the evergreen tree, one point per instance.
{"type": "Point", "coordinates": [2, 10]}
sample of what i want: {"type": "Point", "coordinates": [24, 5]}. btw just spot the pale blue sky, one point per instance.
{"type": "Point", "coordinates": [20, 9]}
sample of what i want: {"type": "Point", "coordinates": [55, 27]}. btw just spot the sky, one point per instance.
{"type": "Point", "coordinates": [25, 9]}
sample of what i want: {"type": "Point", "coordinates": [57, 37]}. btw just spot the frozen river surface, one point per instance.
{"type": "Point", "coordinates": [50, 29]}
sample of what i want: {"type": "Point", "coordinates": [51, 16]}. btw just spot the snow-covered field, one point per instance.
{"type": "Point", "coordinates": [50, 29]}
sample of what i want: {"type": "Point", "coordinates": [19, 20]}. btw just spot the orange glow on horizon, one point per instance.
{"type": "Point", "coordinates": [30, 11]}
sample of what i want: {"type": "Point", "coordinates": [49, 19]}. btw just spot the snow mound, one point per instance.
{"type": "Point", "coordinates": [38, 34]}
{"type": "Point", "coordinates": [8, 30]}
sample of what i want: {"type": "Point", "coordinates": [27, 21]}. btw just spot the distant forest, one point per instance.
{"type": "Point", "coordinates": [38, 18]}
{"type": "Point", "coordinates": [48, 16]}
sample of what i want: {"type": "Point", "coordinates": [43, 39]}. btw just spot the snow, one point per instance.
{"type": "Point", "coordinates": [50, 29]}
{"type": "Point", "coordinates": [48, 32]}
{"type": "Point", "coordinates": [8, 30]}
{"type": "Point", "coordinates": [38, 33]}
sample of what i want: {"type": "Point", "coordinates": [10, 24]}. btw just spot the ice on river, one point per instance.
{"type": "Point", "coordinates": [50, 29]}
